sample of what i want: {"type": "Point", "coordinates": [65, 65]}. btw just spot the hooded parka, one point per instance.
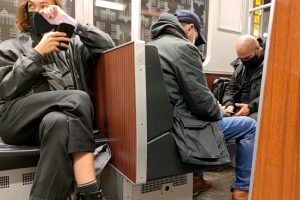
{"type": "Point", "coordinates": [196, 132]}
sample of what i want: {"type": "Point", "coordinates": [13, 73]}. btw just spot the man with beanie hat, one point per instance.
{"type": "Point", "coordinates": [200, 128]}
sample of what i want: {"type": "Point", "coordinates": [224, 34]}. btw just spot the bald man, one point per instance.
{"type": "Point", "coordinates": [241, 96]}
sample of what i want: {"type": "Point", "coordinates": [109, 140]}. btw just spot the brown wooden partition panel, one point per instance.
{"type": "Point", "coordinates": [115, 106]}
{"type": "Point", "coordinates": [277, 171]}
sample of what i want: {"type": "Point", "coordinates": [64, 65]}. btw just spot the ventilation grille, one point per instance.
{"type": "Point", "coordinates": [27, 178]}
{"type": "Point", "coordinates": [154, 185]}
{"type": "Point", "coordinates": [4, 182]}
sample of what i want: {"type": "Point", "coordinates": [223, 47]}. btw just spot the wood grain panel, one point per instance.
{"type": "Point", "coordinates": [115, 106]}
{"type": "Point", "coordinates": [277, 171]}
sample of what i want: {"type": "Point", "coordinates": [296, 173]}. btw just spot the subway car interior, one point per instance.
{"type": "Point", "coordinates": [137, 156]}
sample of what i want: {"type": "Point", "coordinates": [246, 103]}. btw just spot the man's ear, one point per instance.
{"type": "Point", "coordinates": [258, 50]}
{"type": "Point", "coordinates": [190, 27]}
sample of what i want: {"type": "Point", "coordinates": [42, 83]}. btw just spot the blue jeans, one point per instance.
{"type": "Point", "coordinates": [242, 130]}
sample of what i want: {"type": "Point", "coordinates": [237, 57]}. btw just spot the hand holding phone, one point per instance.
{"type": "Point", "coordinates": [230, 113]}
{"type": "Point", "coordinates": [68, 29]}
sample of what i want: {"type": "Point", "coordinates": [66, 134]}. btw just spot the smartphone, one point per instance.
{"type": "Point", "coordinates": [232, 113]}
{"type": "Point", "coordinates": [68, 29]}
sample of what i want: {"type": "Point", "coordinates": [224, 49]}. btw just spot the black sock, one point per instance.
{"type": "Point", "coordinates": [88, 187]}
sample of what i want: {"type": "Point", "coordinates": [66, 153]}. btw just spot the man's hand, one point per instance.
{"type": "Point", "coordinates": [228, 111]}
{"type": "Point", "coordinates": [55, 15]}
{"type": "Point", "coordinates": [244, 111]}
{"type": "Point", "coordinates": [51, 41]}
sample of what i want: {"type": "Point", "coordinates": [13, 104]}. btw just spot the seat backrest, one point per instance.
{"type": "Point", "coordinates": [159, 111]}
{"type": "Point", "coordinates": [219, 86]}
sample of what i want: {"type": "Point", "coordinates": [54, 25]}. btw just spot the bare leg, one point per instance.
{"type": "Point", "coordinates": [83, 167]}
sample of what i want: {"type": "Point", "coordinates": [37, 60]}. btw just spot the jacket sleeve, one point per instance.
{"type": "Point", "coordinates": [18, 72]}
{"type": "Point", "coordinates": [192, 83]}
{"type": "Point", "coordinates": [253, 105]}
{"type": "Point", "coordinates": [231, 90]}
{"type": "Point", "coordinates": [92, 40]}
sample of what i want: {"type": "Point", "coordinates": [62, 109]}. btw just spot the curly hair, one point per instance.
{"type": "Point", "coordinates": [22, 21]}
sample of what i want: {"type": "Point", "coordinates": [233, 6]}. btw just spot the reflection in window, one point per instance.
{"type": "Point", "coordinates": [151, 10]}
{"type": "Point", "coordinates": [114, 18]}
{"type": "Point", "coordinates": [7, 17]}
{"type": "Point", "coordinates": [265, 22]}
{"type": "Point", "coordinates": [201, 9]}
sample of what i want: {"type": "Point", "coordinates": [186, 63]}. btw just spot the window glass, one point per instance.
{"type": "Point", "coordinates": [267, 1]}
{"type": "Point", "coordinates": [201, 9]}
{"type": "Point", "coordinates": [7, 17]}
{"type": "Point", "coordinates": [265, 22]}
{"type": "Point", "coordinates": [151, 9]}
{"type": "Point", "coordinates": [114, 18]}
{"type": "Point", "coordinates": [260, 19]}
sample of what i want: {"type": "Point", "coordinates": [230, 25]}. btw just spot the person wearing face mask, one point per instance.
{"type": "Point", "coordinates": [44, 97]}
{"type": "Point", "coordinates": [200, 128]}
{"type": "Point", "coordinates": [243, 90]}
{"type": "Point", "coordinates": [191, 24]}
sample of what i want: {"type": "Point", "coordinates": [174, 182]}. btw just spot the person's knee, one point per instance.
{"type": "Point", "coordinates": [54, 117]}
{"type": "Point", "coordinates": [250, 125]}
{"type": "Point", "coordinates": [80, 100]}
{"type": "Point", "coordinates": [81, 96]}
{"type": "Point", "coordinates": [51, 123]}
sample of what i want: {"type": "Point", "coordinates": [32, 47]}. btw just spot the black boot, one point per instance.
{"type": "Point", "coordinates": [90, 196]}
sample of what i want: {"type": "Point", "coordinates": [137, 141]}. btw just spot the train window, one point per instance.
{"type": "Point", "coordinates": [7, 17]}
{"type": "Point", "coordinates": [201, 9]}
{"type": "Point", "coordinates": [260, 14]}
{"type": "Point", "coordinates": [151, 9]}
{"type": "Point", "coordinates": [114, 18]}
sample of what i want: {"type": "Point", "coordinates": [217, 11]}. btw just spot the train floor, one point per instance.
{"type": "Point", "coordinates": [221, 185]}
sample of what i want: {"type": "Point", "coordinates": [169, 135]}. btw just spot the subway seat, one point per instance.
{"type": "Point", "coordinates": [15, 157]}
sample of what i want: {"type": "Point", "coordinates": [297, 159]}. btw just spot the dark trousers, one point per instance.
{"type": "Point", "coordinates": [61, 122]}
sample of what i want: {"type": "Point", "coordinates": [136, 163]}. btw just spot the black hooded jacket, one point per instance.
{"type": "Point", "coordinates": [234, 88]}
{"type": "Point", "coordinates": [21, 67]}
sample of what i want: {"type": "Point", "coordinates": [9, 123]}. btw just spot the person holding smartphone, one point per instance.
{"type": "Point", "coordinates": [44, 97]}
{"type": "Point", "coordinates": [200, 128]}
{"type": "Point", "coordinates": [241, 96]}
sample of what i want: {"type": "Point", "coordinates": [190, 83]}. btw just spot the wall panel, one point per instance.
{"type": "Point", "coordinates": [277, 171]}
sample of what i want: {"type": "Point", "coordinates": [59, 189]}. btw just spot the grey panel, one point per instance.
{"type": "Point", "coordinates": [164, 159]}
{"type": "Point", "coordinates": [159, 112]}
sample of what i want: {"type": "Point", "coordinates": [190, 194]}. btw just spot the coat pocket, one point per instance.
{"type": "Point", "coordinates": [193, 123]}
{"type": "Point", "coordinates": [199, 138]}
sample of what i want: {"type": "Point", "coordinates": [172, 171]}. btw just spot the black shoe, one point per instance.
{"type": "Point", "coordinates": [90, 196]}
